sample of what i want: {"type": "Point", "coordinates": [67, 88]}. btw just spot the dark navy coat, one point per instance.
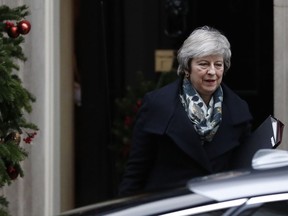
{"type": "Point", "coordinates": [166, 149]}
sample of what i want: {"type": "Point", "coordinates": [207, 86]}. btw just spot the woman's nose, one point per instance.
{"type": "Point", "coordinates": [211, 70]}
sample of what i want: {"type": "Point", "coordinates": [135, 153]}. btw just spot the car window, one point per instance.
{"type": "Point", "coordinates": [268, 205]}
{"type": "Point", "coordinates": [215, 209]}
{"type": "Point", "coordinates": [213, 213]}
{"type": "Point", "coordinates": [268, 209]}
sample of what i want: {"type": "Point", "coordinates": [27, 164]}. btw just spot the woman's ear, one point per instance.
{"type": "Point", "coordinates": [187, 73]}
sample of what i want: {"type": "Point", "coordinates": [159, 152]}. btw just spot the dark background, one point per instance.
{"type": "Point", "coordinates": [115, 39]}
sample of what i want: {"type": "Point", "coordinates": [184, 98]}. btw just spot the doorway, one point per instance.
{"type": "Point", "coordinates": [115, 40]}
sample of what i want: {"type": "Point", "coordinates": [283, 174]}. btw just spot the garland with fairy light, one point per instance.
{"type": "Point", "coordinates": [15, 99]}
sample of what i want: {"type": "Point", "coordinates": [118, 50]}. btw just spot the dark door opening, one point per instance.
{"type": "Point", "coordinates": [115, 40]}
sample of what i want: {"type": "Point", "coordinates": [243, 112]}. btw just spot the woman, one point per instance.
{"type": "Point", "coordinates": [191, 127]}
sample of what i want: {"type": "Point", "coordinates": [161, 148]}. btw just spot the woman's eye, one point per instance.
{"type": "Point", "coordinates": [219, 65]}
{"type": "Point", "coordinates": [203, 64]}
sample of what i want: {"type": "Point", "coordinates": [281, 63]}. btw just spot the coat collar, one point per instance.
{"type": "Point", "coordinates": [173, 121]}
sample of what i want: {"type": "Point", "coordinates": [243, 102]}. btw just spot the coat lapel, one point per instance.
{"type": "Point", "coordinates": [235, 112]}
{"type": "Point", "coordinates": [181, 131]}
{"type": "Point", "coordinates": [223, 140]}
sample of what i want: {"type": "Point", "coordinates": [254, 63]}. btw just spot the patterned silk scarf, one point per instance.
{"type": "Point", "coordinates": [206, 119]}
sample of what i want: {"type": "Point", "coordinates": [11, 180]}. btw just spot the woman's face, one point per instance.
{"type": "Point", "coordinates": [206, 74]}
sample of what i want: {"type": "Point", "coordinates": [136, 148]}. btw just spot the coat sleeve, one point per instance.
{"type": "Point", "coordinates": [141, 154]}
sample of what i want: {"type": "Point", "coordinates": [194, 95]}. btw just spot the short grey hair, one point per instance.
{"type": "Point", "coordinates": [203, 41]}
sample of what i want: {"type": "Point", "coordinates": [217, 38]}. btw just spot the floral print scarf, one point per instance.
{"type": "Point", "coordinates": [206, 119]}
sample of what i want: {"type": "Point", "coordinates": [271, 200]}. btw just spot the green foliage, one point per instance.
{"type": "Point", "coordinates": [3, 206]}
{"type": "Point", "coordinates": [127, 109]}
{"type": "Point", "coordinates": [15, 102]}
{"type": "Point", "coordinates": [16, 13]}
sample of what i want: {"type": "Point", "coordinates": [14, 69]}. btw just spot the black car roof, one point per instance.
{"type": "Point", "coordinates": [264, 178]}
{"type": "Point", "coordinates": [238, 184]}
